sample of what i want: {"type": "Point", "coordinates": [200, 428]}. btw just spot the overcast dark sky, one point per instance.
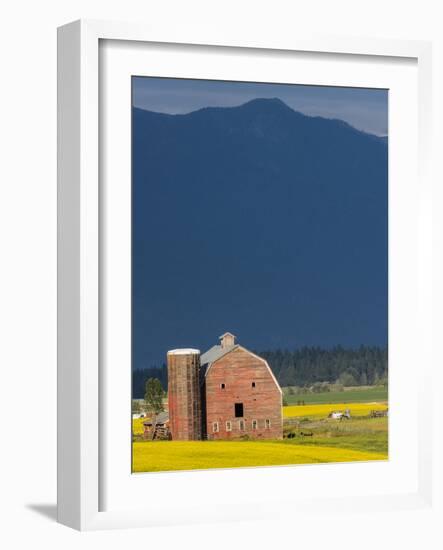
{"type": "Point", "coordinates": [365, 109]}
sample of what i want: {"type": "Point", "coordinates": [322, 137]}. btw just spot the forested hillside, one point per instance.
{"type": "Point", "coordinates": [304, 367]}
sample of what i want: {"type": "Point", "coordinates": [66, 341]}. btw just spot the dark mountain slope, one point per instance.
{"type": "Point", "coordinates": [261, 221]}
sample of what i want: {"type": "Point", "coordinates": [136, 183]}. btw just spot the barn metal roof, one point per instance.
{"type": "Point", "coordinates": [215, 353]}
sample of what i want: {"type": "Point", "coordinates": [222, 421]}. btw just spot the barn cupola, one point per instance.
{"type": "Point", "coordinates": [227, 340]}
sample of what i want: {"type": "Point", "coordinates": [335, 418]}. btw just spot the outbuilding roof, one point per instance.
{"type": "Point", "coordinates": [162, 418]}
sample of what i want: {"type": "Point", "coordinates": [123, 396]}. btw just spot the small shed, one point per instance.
{"type": "Point", "coordinates": [379, 413]}
{"type": "Point", "coordinates": [161, 428]}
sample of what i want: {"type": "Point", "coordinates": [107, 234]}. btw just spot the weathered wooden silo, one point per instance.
{"type": "Point", "coordinates": [184, 397]}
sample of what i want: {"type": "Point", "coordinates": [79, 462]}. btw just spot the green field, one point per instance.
{"type": "Point", "coordinates": [369, 435]}
{"type": "Point", "coordinates": [354, 395]}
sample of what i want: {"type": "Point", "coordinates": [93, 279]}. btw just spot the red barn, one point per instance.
{"type": "Point", "coordinates": [239, 395]}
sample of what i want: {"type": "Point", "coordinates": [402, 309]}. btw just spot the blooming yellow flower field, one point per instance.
{"type": "Point", "coordinates": [359, 439]}
{"type": "Point", "coordinates": [137, 426]}
{"type": "Point", "coordinates": [159, 456]}
{"type": "Point", "coordinates": [322, 410]}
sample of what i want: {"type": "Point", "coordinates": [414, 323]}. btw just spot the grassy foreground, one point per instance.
{"type": "Point", "coordinates": [360, 434]}
{"type": "Point", "coordinates": [157, 456]}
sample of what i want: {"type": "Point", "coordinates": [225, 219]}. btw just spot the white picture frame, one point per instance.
{"type": "Point", "coordinates": [80, 263]}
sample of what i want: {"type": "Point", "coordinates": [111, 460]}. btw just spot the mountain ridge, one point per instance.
{"type": "Point", "coordinates": [262, 101]}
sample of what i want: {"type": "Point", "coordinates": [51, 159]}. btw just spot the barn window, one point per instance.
{"type": "Point", "coordinates": [229, 426]}
{"type": "Point", "coordinates": [241, 424]}
{"type": "Point", "coordinates": [215, 427]}
{"type": "Point", "coordinates": [222, 386]}
{"type": "Point", "coordinates": [267, 423]}
{"type": "Point", "coordinates": [254, 424]}
{"type": "Point", "coordinates": [238, 410]}
{"type": "Point", "coordinates": [253, 384]}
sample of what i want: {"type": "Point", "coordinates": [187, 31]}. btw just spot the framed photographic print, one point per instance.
{"type": "Point", "coordinates": [258, 208]}
{"type": "Point", "coordinates": [240, 304]}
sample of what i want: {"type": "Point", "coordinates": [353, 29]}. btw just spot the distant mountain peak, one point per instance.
{"type": "Point", "coordinates": [266, 110]}
{"type": "Point", "coordinates": [259, 104]}
{"type": "Point", "coordinates": [261, 101]}
{"type": "Point", "coordinates": [268, 105]}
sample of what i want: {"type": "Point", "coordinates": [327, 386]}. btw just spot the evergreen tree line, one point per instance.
{"type": "Point", "coordinates": [366, 365]}
{"type": "Point", "coordinates": [349, 367]}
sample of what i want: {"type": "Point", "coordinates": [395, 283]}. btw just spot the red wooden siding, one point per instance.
{"type": "Point", "coordinates": [262, 404]}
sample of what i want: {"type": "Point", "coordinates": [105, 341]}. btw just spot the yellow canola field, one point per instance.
{"type": "Point", "coordinates": [137, 426]}
{"type": "Point", "coordinates": [159, 456]}
{"type": "Point", "coordinates": [322, 410]}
